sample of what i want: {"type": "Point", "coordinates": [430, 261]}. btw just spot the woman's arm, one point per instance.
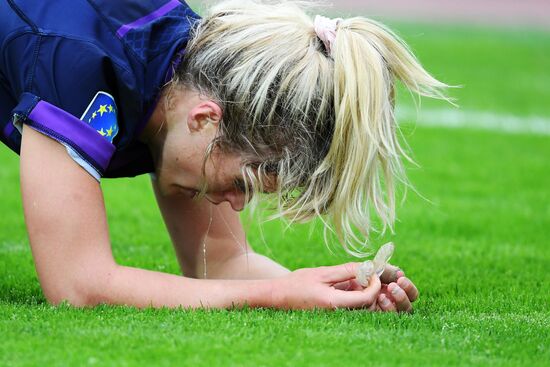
{"type": "Point", "coordinates": [227, 255]}
{"type": "Point", "coordinates": [248, 266]}
{"type": "Point", "coordinates": [67, 227]}
{"type": "Point", "coordinates": [66, 222]}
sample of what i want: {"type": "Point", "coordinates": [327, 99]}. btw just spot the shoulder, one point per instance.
{"type": "Point", "coordinates": [86, 73]}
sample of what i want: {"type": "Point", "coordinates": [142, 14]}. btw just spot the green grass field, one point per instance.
{"type": "Point", "coordinates": [479, 251]}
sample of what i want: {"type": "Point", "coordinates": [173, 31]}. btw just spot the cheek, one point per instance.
{"type": "Point", "coordinates": [225, 167]}
{"type": "Point", "coordinates": [172, 167]}
{"type": "Point", "coordinates": [223, 180]}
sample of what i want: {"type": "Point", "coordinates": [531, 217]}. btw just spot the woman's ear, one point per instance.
{"type": "Point", "coordinates": [205, 115]}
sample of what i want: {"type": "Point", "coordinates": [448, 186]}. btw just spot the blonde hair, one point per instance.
{"type": "Point", "coordinates": [322, 124]}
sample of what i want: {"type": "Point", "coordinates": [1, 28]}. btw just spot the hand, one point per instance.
{"type": "Point", "coordinates": [397, 293]}
{"type": "Point", "coordinates": [315, 288]}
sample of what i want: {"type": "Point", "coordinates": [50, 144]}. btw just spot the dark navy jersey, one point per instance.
{"type": "Point", "coordinates": [88, 73]}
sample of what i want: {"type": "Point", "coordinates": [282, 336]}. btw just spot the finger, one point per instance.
{"type": "Point", "coordinates": [374, 307]}
{"type": "Point", "coordinates": [386, 304]}
{"type": "Point", "coordinates": [358, 299]}
{"type": "Point", "coordinates": [387, 293]}
{"type": "Point", "coordinates": [348, 285]}
{"type": "Point", "coordinates": [409, 288]}
{"type": "Point", "coordinates": [355, 286]}
{"type": "Point", "coordinates": [339, 273]}
{"type": "Point", "coordinates": [343, 286]}
{"type": "Point", "coordinates": [401, 299]}
{"type": "Point", "coordinates": [390, 274]}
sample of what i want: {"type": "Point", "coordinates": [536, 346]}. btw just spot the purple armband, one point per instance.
{"type": "Point", "coordinates": [67, 129]}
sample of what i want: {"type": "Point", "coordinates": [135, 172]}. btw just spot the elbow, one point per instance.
{"type": "Point", "coordinates": [80, 290]}
{"type": "Point", "coordinates": [57, 296]}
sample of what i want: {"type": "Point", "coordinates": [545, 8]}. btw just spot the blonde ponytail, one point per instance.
{"type": "Point", "coordinates": [365, 154]}
{"type": "Point", "coordinates": [320, 121]}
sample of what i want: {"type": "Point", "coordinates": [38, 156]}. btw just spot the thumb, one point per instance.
{"type": "Point", "coordinates": [340, 273]}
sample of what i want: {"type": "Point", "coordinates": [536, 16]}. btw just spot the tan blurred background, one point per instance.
{"type": "Point", "coordinates": [532, 13]}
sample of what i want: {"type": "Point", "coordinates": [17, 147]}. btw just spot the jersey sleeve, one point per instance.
{"type": "Point", "coordinates": [67, 92]}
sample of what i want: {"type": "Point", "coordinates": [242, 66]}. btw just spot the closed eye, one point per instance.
{"type": "Point", "coordinates": [239, 185]}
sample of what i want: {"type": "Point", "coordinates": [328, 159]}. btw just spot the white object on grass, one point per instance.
{"type": "Point", "coordinates": [376, 265]}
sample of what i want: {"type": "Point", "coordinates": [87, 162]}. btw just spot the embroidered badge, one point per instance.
{"type": "Point", "coordinates": [101, 114]}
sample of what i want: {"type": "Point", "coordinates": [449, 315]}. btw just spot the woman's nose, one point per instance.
{"type": "Point", "coordinates": [236, 200]}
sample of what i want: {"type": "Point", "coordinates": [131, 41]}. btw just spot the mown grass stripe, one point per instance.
{"type": "Point", "coordinates": [484, 120]}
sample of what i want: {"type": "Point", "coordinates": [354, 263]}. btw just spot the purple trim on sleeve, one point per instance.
{"type": "Point", "coordinates": [68, 129]}
{"type": "Point", "coordinates": [172, 4]}
{"type": "Point", "coordinates": [8, 129]}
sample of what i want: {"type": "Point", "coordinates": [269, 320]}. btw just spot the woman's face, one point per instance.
{"type": "Point", "coordinates": [190, 126]}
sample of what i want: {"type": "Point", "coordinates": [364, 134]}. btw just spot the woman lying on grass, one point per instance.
{"type": "Point", "coordinates": [254, 98]}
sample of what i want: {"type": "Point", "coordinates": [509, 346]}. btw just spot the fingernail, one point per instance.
{"type": "Point", "coordinates": [384, 300]}
{"type": "Point", "coordinates": [400, 273]}
{"type": "Point", "coordinates": [395, 289]}
{"type": "Point", "coordinates": [392, 287]}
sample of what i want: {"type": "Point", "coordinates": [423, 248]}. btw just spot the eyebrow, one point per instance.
{"type": "Point", "coordinates": [241, 186]}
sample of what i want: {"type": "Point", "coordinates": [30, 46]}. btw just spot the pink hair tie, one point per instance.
{"type": "Point", "coordinates": [326, 30]}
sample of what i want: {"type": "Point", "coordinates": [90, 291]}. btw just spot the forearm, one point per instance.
{"type": "Point", "coordinates": [143, 288]}
{"type": "Point", "coordinates": [249, 265]}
